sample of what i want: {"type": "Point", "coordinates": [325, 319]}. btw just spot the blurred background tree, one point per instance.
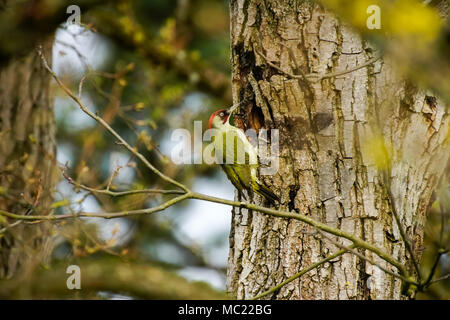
{"type": "Point", "coordinates": [147, 67]}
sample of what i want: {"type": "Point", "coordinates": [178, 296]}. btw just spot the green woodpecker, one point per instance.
{"type": "Point", "coordinates": [231, 143]}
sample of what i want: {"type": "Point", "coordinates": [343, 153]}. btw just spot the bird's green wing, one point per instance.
{"type": "Point", "coordinates": [234, 177]}
{"type": "Point", "coordinates": [237, 148]}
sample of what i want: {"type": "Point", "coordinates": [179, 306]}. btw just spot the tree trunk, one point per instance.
{"type": "Point", "coordinates": [338, 136]}
{"type": "Point", "coordinates": [27, 160]}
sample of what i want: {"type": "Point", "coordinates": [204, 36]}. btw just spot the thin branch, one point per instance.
{"type": "Point", "coordinates": [108, 127]}
{"type": "Point", "coordinates": [314, 76]}
{"type": "Point", "coordinates": [81, 56]}
{"type": "Point", "coordinates": [109, 215]}
{"type": "Point", "coordinates": [270, 63]}
{"type": "Point", "coordinates": [441, 233]}
{"type": "Point", "coordinates": [194, 195]}
{"type": "Point", "coordinates": [340, 73]}
{"type": "Point", "coordinates": [199, 73]}
{"type": "Point", "coordinates": [441, 251]}
{"type": "Point", "coordinates": [447, 276]}
{"type": "Point", "coordinates": [273, 65]}
{"type": "Point", "coordinates": [6, 228]}
{"type": "Point", "coordinates": [361, 256]}
{"type": "Point", "coordinates": [318, 225]}
{"type": "Point", "coordinates": [302, 272]}
{"type": "Point", "coordinates": [80, 85]}
{"type": "Point", "coordinates": [117, 193]}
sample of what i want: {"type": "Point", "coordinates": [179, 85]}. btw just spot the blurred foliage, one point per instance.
{"type": "Point", "coordinates": [154, 66]}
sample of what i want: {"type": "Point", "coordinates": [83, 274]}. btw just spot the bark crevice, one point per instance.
{"type": "Point", "coordinates": [330, 133]}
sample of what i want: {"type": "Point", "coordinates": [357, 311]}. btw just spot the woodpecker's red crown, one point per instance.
{"type": "Point", "coordinates": [222, 113]}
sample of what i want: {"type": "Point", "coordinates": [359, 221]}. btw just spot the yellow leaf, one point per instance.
{"type": "Point", "coordinates": [32, 138]}
{"type": "Point", "coordinates": [111, 242]}
{"type": "Point", "coordinates": [61, 203]}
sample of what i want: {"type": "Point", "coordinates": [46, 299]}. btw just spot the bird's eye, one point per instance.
{"type": "Point", "coordinates": [222, 114]}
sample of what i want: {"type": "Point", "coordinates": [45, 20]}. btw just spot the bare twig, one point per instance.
{"type": "Point", "coordinates": [194, 195]}
{"type": "Point", "coordinates": [316, 224]}
{"type": "Point", "coordinates": [433, 269]}
{"type": "Point", "coordinates": [80, 86]}
{"type": "Point", "coordinates": [441, 233]}
{"type": "Point", "coordinates": [302, 272]}
{"type": "Point", "coordinates": [3, 230]}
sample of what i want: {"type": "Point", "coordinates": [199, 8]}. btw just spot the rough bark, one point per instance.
{"type": "Point", "coordinates": [27, 160]}
{"type": "Point", "coordinates": [328, 131]}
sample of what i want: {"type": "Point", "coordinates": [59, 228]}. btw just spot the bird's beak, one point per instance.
{"type": "Point", "coordinates": [234, 107]}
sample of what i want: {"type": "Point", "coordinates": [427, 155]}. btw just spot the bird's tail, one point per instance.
{"type": "Point", "coordinates": [265, 192]}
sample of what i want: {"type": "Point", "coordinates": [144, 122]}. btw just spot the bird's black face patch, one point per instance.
{"type": "Point", "coordinates": [224, 115]}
